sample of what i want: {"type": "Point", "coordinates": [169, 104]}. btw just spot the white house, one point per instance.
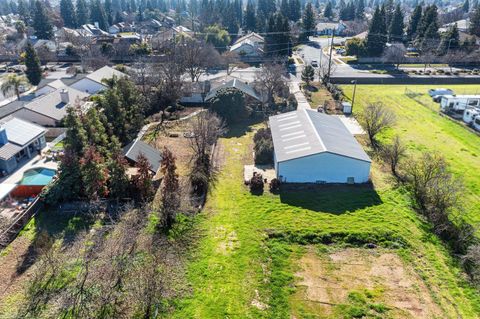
{"type": "Point", "coordinates": [312, 147]}
{"type": "Point", "coordinates": [326, 28]}
{"type": "Point", "coordinates": [92, 83]}
{"type": "Point", "coordinates": [250, 45]}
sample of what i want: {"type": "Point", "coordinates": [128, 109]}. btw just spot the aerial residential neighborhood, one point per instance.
{"type": "Point", "coordinates": [239, 159]}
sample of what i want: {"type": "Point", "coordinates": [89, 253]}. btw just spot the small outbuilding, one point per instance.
{"type": "Point", "coordinates": [312, 147]}
{"type": "Point", "coordinates": [136, 148]}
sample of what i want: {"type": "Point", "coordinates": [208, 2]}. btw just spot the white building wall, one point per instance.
{"type": "Point", "coordinates": [323, 167]}
{"type": "Point", "coordinates": [88, 86]}
{"type": "Point", "coordinates": [28, 115]}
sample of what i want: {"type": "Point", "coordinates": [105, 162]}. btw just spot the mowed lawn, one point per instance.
{"type": "Point", "coordinates": [422, 128]}
{"type": "Point", "coordinates": [248, 246]}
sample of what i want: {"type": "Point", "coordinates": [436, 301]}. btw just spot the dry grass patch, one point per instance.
{"type": "Point", "coordinates": [359, 282]}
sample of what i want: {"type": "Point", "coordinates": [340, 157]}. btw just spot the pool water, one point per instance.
{"type": "Point", "coordinates": [37, 176]}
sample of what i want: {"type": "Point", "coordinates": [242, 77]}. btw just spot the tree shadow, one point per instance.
{"type": "Point", "coordinates": [243, 127]}
{"type": "Point", "coordinates": [330, 198]}
{"type": "Point", "coordinates": [50, 225]}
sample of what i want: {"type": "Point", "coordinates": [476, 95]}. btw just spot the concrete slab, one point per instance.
{"type": "Point", "coordinates": [267, 172]}
{"type": "Point", "coordinates": [352, 125]}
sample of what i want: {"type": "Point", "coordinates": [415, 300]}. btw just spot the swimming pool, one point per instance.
{"type": "Point", "coordinates": [38, 176]}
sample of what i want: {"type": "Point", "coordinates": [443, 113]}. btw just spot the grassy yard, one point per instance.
{"type": "Point", "coordinates": [247, 257]}
{"type": "Point", "coordinates": [424, 129]}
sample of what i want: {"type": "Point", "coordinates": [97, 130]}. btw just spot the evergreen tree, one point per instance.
{"type": "Point", "coordinates": [109, 11]}
{"type": "Point", "coordinates": [388, 8]}
{"type": "Point", "coordinates": [466, 6]}
{"type": "Point", "coordinates": [308, 74]}
{"type": "Point", "coordinates": [143, 180]}
{"type": "Point", "coordinates": [67, 12]}
{"type": "Point", "coordinates": [429, 21]}
{"type": "Point", "coordinates": [250, 19]}
{"type": "Point", "coordinates": [76, 140]}
{"type": "Point", "coordinates": [118, 182]}
{"type": "Point", "coordinates": [295, 10]}
{"type": "Point", "coordinates": [430, 39]}
{"type": "Point", "coordinates": [308, 21]}
{"type": "Point", "coordinates": [376, 37]}
{"type": "Point", "coordinates": [24, 11]}
{"type": "Point", "coordinates": [414, 22]}
{"type": "Point", "coordinates": [285, 8]}
{"type": "Point", "coordinates": [94, 174]}
{"type": "Point", "coordinates": [33, 71]}
{"type": "Point", "coordinates": [328, 11]}
{"type": "Point", "coordinates": [133, 6]}
{"type": "Point", "coordinates": [395, 31]}
{"type": "Point", "coordinates": [450, 41]}
{"type": "Point", "coordinates": [360, 10]}
{"type": "Point", "coordinates": [41, 23]}
{"type": "Point", "coordinates": [98, 15]}
{"type": "Point", "coordinates": [277, 41]}
{"type": "Point", "coordinates": [82, 12]}
{"type": "Point", "coordinates": [475, 23]}
{"type": "Point", "coordinates": [170, 189]}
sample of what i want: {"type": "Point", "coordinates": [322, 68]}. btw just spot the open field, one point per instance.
{"type": "Point", "coordinates": [246, 260]}
{"type": "Point", "coordinates": [422, 128]}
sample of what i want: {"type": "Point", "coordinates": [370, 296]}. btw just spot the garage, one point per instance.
{"type": "Point", "coordinates": [313, 147]}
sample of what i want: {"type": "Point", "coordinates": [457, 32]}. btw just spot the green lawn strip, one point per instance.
{"type": "Point", "coordinates": [248, 242]}
{"type": "Point", "coordinates": [423, 128]}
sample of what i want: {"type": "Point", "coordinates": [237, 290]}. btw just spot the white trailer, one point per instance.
{"type": "Point", "coordinates": [470, 114]}
{"type": "Point", "coordinates": [476, 123]}
{"type": "Point", "coordinates": [456, 105]}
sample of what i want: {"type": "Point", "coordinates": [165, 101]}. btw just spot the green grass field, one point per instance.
{"type": "Point", "coordinates": [422, 128]}
{"type": "Point", "coordinates": [247, 255]}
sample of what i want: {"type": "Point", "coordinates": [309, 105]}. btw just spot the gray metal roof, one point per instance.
{"type": "Point", "coordinates": [9, 150]}
{"type": "Point", "coordinates": [104, 73]}
{"type": "Point", "coordinates": [51, 104]}
{"type": "Point", "coordinates": [137, 147]}
{"type": "Point", "coordinates": [235, 83]}
{"type": "Point", "coordinates": [20, 131]}
{"type": "Point", "coordinates": [307, 132]}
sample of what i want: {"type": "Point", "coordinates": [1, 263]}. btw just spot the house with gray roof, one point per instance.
{"type": "Point", "coordinates": [235, 83]}
{"type": "Point", "coordinates": [133, 150]}
{"type": "Point", "coordinates": [50, 109]}
{"type": "Point", "coordinates": [19, 141]}
{"type": "Point", "coordinates": [93, 82]}
{"type": "Point", "coordinates": [313, 147]}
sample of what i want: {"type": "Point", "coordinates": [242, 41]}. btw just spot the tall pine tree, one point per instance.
{"type": "Point", "coordinates": [475, 23]}
{"type": "Point", "coordinates": [414, 22]}
{"type": "Point", "coordinates": [249, 17]}
{"type": "Point", "coordinates": [82, 12]}
{"type": "Point", "coordinates": [32, 63]}
{"type": "Point", "coordinates": [67, 12]}
{"type": "Point", "coordinates": [328, 11]}
{"type": "Point", "coordinates": [395, 32]}
{"type": "Point", "coordinates": [308, 21]}
{"type": "Point", "coordinates": [376, 37]}
{"type": "Point", "coordinates": [41, 23]}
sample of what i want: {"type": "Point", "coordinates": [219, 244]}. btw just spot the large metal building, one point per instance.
{"type": "Point", "coordinates": [312, 147]}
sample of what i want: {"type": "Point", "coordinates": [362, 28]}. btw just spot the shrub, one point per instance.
{"type": "Point", "coordinates": [274, 185]}
{"type": "Point", "coordinates": [256, 183]}
{"type": "Point", "coordinates": [263, 146]}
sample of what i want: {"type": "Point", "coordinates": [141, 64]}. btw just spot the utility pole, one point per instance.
{"type": "Point", "coordinates": [330, 57]}
{"type": "Point", "coordinates": [354, 91]}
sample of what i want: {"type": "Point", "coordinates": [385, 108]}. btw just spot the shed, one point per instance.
{"type": "Point", "coordinates": [137, 147]}
{"type": "Point", "coordinates": [312, 147]}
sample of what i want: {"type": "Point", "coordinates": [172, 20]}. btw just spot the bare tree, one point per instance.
{"type": "Point", "coordinates": [196, 57]}
{"type": "Point", "coordinates": [230, 60]}
{"type": "Point", "coordinates": [206, 128]}
{"type": "Point", "coordinates": [393, 154]}
{"type": "Point", "coordinates": [374, 119]}
{"type": "Point", "coordinates": [395, 54]}
{"type": "Point", "coordinates": [271, 80]}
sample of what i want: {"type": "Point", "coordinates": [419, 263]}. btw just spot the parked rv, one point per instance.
{"type": "Point", "coordinates": [456, 105]}
{"type": "Point", "coordinates": [476, 123]}
{"type": "Point", "coordinates": [470, 114]}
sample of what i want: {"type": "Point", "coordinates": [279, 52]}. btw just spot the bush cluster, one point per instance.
{"type": "Point", "coordinates": [263, 146]}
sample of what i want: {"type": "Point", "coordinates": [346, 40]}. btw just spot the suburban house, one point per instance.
{"type": "Point", "coordinates": [249, 46]}
{"type": "Point", "coordinates": [133, 150]}
{"type": "Point", "coordinates": [92, 83]}
{"type": "Point", "coordinates": [49, 87]}
{"type": "Point", "coordinates": [49, 109]}
{"type": "Point", "coordinates": [194, 92]}
{"type": "Point", "coordinates": [237, 84]}
{"type": "Point", "coordinates": [462, 26]}
{"type": "Point", "coordinates": [19, 140]}
{"type": "Point", "coordinates": [327, 28]}
{"type": "Point", "coordinates": [313, 147]}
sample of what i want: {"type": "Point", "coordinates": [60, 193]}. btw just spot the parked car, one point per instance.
{"type": "Point", "coordinates": [440, 91]}
{"type": "Point", "coordinates": [314, 63]}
